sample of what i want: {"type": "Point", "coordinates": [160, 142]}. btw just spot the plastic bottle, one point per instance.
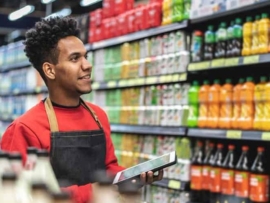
{"type": "Point", "coordinates": [259, 178]}
{"type": "Point", "coordinates": [266, 107]}
{"type": "Point", "coordinates": [247, 37]}
{"type": "Point", "coordinates": [226, 105]}
{"type": "Point", "coordinates": [237, 37]}
{"type": "Point", "coordinates": [227, 176]}
{"type": "Point", "coordinates": [215, 174]}
{"type": "Point", "coordinates": [263, 28]}
{"type": "Point", "coordinates": [204, 104]}
{"type": "Point", "coordinates": [209, 155]}
{"type": "Point", "coordinates": [193, 101]}
{"type": "Point", "coordinates": [221, 39]}
{"type": "Point", "coordinates": [31, 158]}
{"type": "Point", "coordinates": [247, 106]}
{"type": "Point", "coordinates": [197, 46]}
{"type": "Point", "coordinates": [7, 192]}
{"type": "Point", "coordinates": [4, 162]}
{"type": "Point", "coordinates": [237, 104]}
{"type": "Point", "coordinates": [255, 35]}
{"type": "Point", "coordinates": [209, 43]}
{"type": "Point", "coordinates": [259, 104]}
{"type": "Point", "coordinates": [15, 160]}
{"type": "Point", "coordinates": [43, 171]}
{"type": "Point", "coordinates": [196, 172]}
{"type": "Point", "coordinates": [230, 36]}
{"type": "Point", "coordinates": [40, 193]}
{"type": "Point", "coordinates": [241, 181]}
{"type": "Point", "coordinates": [214, 105]}
{"type": "Point", "coordinates": [61, 197]}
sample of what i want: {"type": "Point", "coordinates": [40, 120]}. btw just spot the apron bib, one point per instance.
{"type": "Point", "coordinates": [76, 155]}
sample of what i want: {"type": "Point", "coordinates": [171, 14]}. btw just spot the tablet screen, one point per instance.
{"type": "Point", "coordinates": [143, 167]}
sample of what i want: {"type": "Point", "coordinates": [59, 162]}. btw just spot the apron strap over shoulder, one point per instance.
{"type": "Point", "coordinates": [92, 113]}
{"type": "Point", "coordinates": [51, 115]}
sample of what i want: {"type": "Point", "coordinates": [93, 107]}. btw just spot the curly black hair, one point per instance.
{"type": "Point", "coordinates": [41, 41]}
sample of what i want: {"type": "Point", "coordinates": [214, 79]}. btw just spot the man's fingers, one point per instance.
{"type": "Point", "coordinates": [150, 177]}
{"type": "Point", "coordinates": [143, 178]}
{"type": "Point", "coordinates": [159, 176]}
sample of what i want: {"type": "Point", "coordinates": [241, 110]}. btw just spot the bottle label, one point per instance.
{"type": "Point", "coordinates": [259, 188]}
{"type": "Point", "coordinates": [227, 182]}
{"type": "Point", "coordinates": [205, 177]}
{"type": "Point", "coordinates": [215, 179]}
{"type": "Point", "coordinates": [241, 184]}
{"type": "Point", "coordinates": [196, 177]}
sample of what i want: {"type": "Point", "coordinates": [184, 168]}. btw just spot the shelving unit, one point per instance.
{"type": "Point", "coordinates": [7, 68]}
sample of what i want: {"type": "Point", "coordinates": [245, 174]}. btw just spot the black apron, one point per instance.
{"type": "Point", "coordinates": [76, 155]}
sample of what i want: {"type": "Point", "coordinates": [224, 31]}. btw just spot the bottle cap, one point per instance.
{"type": "Point", "coordinates": [245, 148]}
{"type": "Point", "coordinates": [260, 149]}
{"type": "Point", "coordinates": [212, 144]}
{"type": "Point", "coordinates": [231, 147]}
{"type": "Point", "coordinates": [220, 146]}
{"type": "Point", "coordinates": [241, 80]}
{"type": "Point", "coordinates": [3, 154]}
{"type": "Point", "coordinates": [15, 156]}
{"type": "Point", "coordinates": [232, 23]}
{"type": "Point", "coordinates": [42, 153]}
{"type": "Point", "coordinates": [206, 82]}
{"type": "Point", "coordinates": [228, 80]}
{"type": "Point", "coordinates": [249, 19]}
{"type": "Point", "coordinates": [239, 21]}
{"type": "Point", "coordinates": [39, 186]}
{"type": "Point", "coordinates": [263, 79]}
{"type": "Point", "coordinates": [200, 143]}
{"type": "Point", "coordinates": [223, 25]}
{"type": "Point", "coordinates": [210, 27]}
{"type": "Point", "coordinates": [216, 81]}
{"type": "Point", "coordinates": [195, 83]}
{"type": "Point", "coordinates": [258, 17]}
{"type": "Point", "coordinates": [61, 196]}
{"type": "Point", "coordinates": [264, 15]}
{"type": "Point", "coordinates": [32, 150]}
{"type": "Point", "coordinates": [249, 79]}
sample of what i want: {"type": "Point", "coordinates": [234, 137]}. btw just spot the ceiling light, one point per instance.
{"type": "Point", "coordinates": [64, 12]}
{"type": "Point", "coordinates": [21, 12]}
{"type": "Point", "coordinates": [47, 1]}
{"type": "Point", "coordinates": [88, 2]}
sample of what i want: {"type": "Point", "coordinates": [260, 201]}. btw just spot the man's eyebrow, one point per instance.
{"type": "Point", "coordinates": [77, 54]}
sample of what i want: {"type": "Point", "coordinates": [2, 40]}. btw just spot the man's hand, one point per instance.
{"type": "Point", "coordinates": [149, 177]}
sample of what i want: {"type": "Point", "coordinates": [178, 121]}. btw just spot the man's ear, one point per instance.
{"type": "Point", "coordinates": [49, 70]}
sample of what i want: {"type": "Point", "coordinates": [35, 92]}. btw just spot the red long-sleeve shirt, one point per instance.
{"type": "Point", "coordinates": [32, 129]}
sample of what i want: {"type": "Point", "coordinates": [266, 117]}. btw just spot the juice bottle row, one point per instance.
{"type": "Point", "coordinates": [237, 38]}
{"type": "Point", "coordinates": [14, 106]}
{"type": "Point", "coordinates": [244, 105]}
{"type": "Point", "coordinates": [132, 146]}
{"type": "Point", "coordinates": [3, 127]}
{"type": "Point", "coordinates": [20, 80]}
{"type": "Point", "coordinates": [219, 175]}
{"type": "Point", "coordinates": [12, 54]}
{"type": "Point", "coordinates": [154, 56]}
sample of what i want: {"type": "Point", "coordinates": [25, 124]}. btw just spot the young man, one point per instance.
{"type": "Point", "coordinates": [76, 133]}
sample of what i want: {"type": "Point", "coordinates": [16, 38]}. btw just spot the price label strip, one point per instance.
{"type": "Point", "coordinates": [140, 81]}
{"type": "Point", "coordinates": [232, 62]}
{"type": "Point", "coordinates": [111, 84]}
{"type": "Point", "coordinates": [266, 136]}
{"type": "Point", "coordinates": [151, 80]}
{"type": "Point", "coordinates": [174, 184]}
{"type": "Point", "coordinates": [218, 63]}
{"type": "Point", "coordinates": [251, 59]}
{"type": "Point", "coordinates": [234, 134]}
{"type": "Point", "coordinates": [95, 85]}
{"type": "Point", "coordinates": [122, 83]}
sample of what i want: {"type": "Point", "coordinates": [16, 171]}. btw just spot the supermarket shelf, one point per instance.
{"type": "Point", "coordinates": [177, 77]}
{"type": "Point", "coordinates": [229, 134]}
{"type": "Point", "coordinates": [149, 130]}
{"type": "Point", "coordinates": [172, 184]}
{"type": "Point", "coordinates": [139, 35]}
{"type": "Point", "coordinates": [229, 62]}
{"type": "Point", "coordinates": [241, 9]}
{"type": "Point", "coordinates": [37, 90]}
{"type": "Point", "coordinates": [15, 66]}
{"type": "Point", "coordinates": [7, 119]}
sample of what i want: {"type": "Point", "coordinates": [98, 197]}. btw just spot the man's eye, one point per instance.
{"type": "Point", "coordinates": [74, 58]}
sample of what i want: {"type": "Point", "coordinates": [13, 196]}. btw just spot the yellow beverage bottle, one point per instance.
{"type": "Point", "coordinates": [247, 37]}
{"type": "Point", "coordinates": [266, 107]}
{"type": "Point", "coordinates": [263, 31]}
{"type": "Point", "coordinates": [259, 104]}
{"type": "Point", "coordinates": [255, 36]}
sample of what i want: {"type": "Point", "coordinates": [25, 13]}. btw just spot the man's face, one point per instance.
{"type": "Point", "coordinates": [73, 71]}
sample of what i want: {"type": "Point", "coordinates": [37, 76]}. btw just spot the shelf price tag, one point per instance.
{"type": "Point", "coordinates": [251, 59]}
{"type": "Point", "coordinates": [131, 82]}
{"type": "Point", "coordinates": [111, 84]}
{"type": "Point", "coordinates": [232, 61]}
{"type": "Point", "coordinates": [175, 77]}
{"type": "Point", "coordinates": [151, 80]}
{"type": "Point", "coordinates": [174, 184]}
{"type": "Point", "coordinates": [266, 136]}
{"type": "Point", "coordinates": [192, 66]}
{"type": "Point", "coordinates": [234, 134]}
{"type": "Point", "coordinates": [140, 81]}
{"type": "Point", "coordinates": [122, 83]}
{"type": "Point", "coordinates": [183, 77]}
{"type": "Point", "coordinates": [162, 78]}
{"type": "Point", "coordinates": [38, 89]}
{"type": "Point", "coordinates": [203, 65]}
{"type": "Point", "coordinates": [218, 63]}
{"type": "Point", "coordinates": [95, 85]}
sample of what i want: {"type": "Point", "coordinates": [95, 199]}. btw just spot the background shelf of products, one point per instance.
{"type": "Point", "coordinates": [149, 75]}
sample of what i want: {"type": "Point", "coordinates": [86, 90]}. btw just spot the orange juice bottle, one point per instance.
{"type": "Point", "coordinates": [247, 105]}
{"type": "Point", "coordinates": [263, 31]}
{"type": "Point", "coordinates": [255, 35]}
{"type": "Point", "coordinates": [237, 104]}
{"type": "Point", "coordinates": [247, 37]}
{"type": "Point", "coordinates": [259, 104]}
{"type": "Point", "coordinates": [266, 107]}
{"type": "Point", "coordinates": [203, 104]}
{"type": "Point", "coordinates": [226, 110]}
{"type": "Point", "coordinates": [214, 105]}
